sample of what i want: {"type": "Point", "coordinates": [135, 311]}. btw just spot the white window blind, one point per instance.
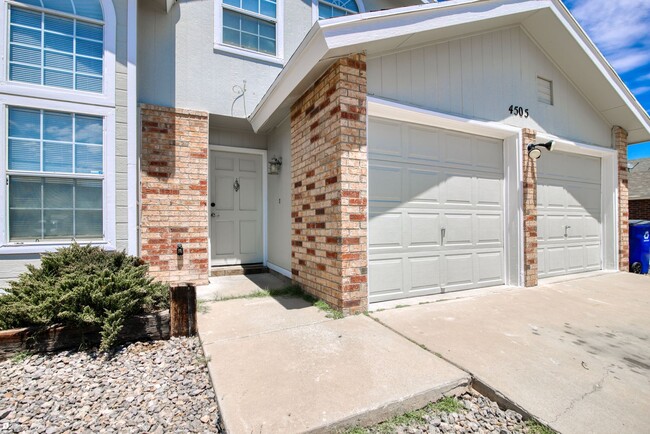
{"type": "Point", "coordinates": [55, 169]}
{"type": "Point", "coordinates": [56, 51]}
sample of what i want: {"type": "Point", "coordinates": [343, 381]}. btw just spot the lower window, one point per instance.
{"type": "Point", "coordinates": [55, 176]}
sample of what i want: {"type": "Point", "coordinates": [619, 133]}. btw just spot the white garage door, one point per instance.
{"type": "Point", "coordinates": [435, 209]}
{"type": "Point", "coordinates": [568, 206]}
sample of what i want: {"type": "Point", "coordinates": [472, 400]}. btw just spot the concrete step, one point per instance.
{"type": "Point", "coordinates": [238, 270]}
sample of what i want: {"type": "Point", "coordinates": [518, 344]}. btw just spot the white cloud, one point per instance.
{"type": "Point", "coordinates": [641, 90]}
{"type": "Point", "coordinates": [619, 28]}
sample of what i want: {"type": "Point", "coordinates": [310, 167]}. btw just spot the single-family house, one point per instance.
{"type": "Point", "coordinates": [639, 186]}
{"type": "Point", "coordinates": [368, 149]}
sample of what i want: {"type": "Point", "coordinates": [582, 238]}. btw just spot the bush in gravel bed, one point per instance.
{"type": "Point", "coordinates": [82, 286]}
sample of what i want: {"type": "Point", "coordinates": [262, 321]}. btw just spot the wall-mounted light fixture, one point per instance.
{"type": "Point", "coordinates": [274, 166]}
{"type": "Point", "coordinates": [534, 150]}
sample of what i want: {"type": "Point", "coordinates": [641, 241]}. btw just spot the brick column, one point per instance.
{"type": "Point", "coordinates": [329, 181]}
{"type": "Point", "coordinates": [174, 188]}
{"type": "Point", "coordinates": [530, 210]}
{"type": "Point", "coordinates": [619, 136]}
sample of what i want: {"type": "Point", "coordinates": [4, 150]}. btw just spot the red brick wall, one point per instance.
{"type": "Point", "coordinates": [173, 185]}
{"type": "Point", "coordinates": [329, 182]}
{"type": "Point", "coordinates": [530, 210]}
{"type": "Point", "coordinates": [639, 209]}
{"type": "Point", "coordinates": [620, 144]}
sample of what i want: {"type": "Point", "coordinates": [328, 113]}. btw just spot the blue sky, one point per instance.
{"type": "Point", "coordinates": [621, 30]}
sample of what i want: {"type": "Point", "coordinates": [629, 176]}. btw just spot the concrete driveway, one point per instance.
{"type": "Point", "coordinates": [574, 354]}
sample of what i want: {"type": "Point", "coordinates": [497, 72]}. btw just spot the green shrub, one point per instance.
{"type": "Point", "coordinates": [82, 286]}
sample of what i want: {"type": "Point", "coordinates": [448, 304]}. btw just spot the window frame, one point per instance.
{"type": "Point", "coordinates": [315, 14]}
{"type": "Point", "coordinates": [108, 177]}
{"type": "Point", "coordinates": [106, 97]}
{"type": "Point", "coordinates": [219, 45]}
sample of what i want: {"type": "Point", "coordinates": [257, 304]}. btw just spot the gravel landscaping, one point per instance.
{"type": "Point", "coordinates": [470, 413]}
{"type": "Point", "coordinates": [155, 387]}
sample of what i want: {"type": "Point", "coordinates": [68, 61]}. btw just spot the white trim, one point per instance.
{"type": "Point", "coordinates": [388, 109]}
{"type": "Point", "coordinates": [608, 193]}
{"type": "Point", "coordinates": [265, 205]}
{"type": "Point", "coordinates": [219, 45]}
{"type": "Point", "coordinates": [512, 171]}
{"type": "Point", "coordinates": [314, 9]}
{"type": "Point", "coordinates": [133, 245]}
{"type": "Point", "coordinates": [106, 98]}
{"type": "Point", "coordinates": [109, 171]}
{"type": "Point", "coordinates": [277, 269]}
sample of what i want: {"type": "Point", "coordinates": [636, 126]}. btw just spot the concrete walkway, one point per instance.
{"type": "Point", "coordinates": [575, 354]}
{"type": "Point", "coordinates": [238, 286]}
{"type": "Point", "coordinates": [280, 366]}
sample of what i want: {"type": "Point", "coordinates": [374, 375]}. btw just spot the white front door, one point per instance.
{"type": "Point", "coordinates": [436, 211]}
{"type": "Point", "coordinates": [569, 218]}
{"type": "Point", "coordinates": [235, 208]}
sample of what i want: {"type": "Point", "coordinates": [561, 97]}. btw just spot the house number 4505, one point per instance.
{"type": "Point", "coordinates": [515, 110]}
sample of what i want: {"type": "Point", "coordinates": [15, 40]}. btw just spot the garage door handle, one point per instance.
{"type": "Point", "coordinates": [443, 231]}
{"type": "Point", "coordinates": [566, 231]}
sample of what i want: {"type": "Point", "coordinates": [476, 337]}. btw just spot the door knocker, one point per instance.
{"type": "Point", "coordinates": [236, 185]}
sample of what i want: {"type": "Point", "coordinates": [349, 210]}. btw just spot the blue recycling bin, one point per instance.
{"type": "Point", "coordinates": [639, 246]}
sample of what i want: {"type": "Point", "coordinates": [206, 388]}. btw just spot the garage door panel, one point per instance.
{"type": "Point", "coordinates": [425, 273]}
{"type": "Point", "coordinates": [386, 138]}
{"type": "Point", "coordinates": [489, 229]}
{"type": "Point", "coordinates": [458, 189]}
{"type": "Point", "coordinates": [592, 255]}
{"type": "Point", "coordinates": [554, 227]}
{"type": "Point", "coordinates": [459, 269]}
{"type": "Point", "coordinates": [424, 146]}
{"type": "Point", "coordinates": [386, 183]}
{"type": "Point", "coordinates": [386, 276]}
{"type": "Point", "coordinates": [458, 148]}
{"type": "Point", "coordinates": [490, 266]}
{"type": "Point", "coordinates": [423, 186]}
{"type": "Point", "coordinates": [488, 154]}
{"type": "Point", "coordinates": [576, 228]}
{"type": "Point", "coordinates": [591, 227]}
{"type": "Point", "coordinates": [576, 258]}
{"type": "Point", "coordinates": [424, 229]}
{"type": "Point", "coordinates": [556, 259]}
{"type": "Point", "coordinates": [489, 192]}
{"type": "Point", "coordinates": [587, 197]}
{"type": "Point", "coordinates": [554, 195]}
{"type": "Point", "coordinates": [458, 229]}
{"type": "Point", "coordinates": [386, 229]}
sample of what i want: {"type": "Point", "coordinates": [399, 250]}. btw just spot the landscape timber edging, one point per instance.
{"type": "Point", "coordinates": [56, 338]}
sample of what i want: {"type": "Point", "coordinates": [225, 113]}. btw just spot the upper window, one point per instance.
{"type": "Point", "coordinates": [336, 8]}
{"type": "Point", "coordinates": [63, 49]}
{"type": "Point", "coordinates": [251, 24]}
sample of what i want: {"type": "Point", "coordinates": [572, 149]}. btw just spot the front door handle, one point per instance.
{"type": "Point", "coordinates": [236, 185]}
{"type": "Point", "coordinates": [214, 215]}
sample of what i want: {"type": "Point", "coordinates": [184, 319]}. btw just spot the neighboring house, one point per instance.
{"type": "Point", "coordinates": [639, 194]}
{"type": "Point", "coordinates": [403, 131]}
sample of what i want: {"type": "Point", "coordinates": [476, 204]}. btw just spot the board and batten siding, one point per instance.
{"type": "Point", "coordinates": [12, 265]}
{"type": "Point", "coordinates": [480, 76]}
